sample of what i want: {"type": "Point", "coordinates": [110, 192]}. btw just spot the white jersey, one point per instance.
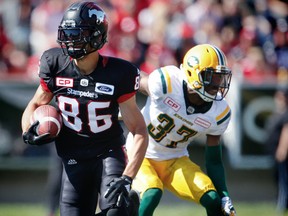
{"type": "Point", "coordinates": [173, 122]}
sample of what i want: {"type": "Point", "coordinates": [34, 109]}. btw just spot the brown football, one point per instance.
{"type": "Point", "coordinates": [50, 120]}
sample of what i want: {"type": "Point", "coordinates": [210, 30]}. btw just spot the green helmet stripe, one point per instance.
{"type": "Point", "coordinates": [220, 55]}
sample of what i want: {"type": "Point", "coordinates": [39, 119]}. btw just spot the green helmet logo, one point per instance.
{"type": "Point", "coordinates": [192, 61]}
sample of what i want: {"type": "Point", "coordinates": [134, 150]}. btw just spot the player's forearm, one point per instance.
{"type": "Point", "coordinates": [25, 121]}
{"type": "Point", "coordinates": [40, 98]}
{"type": "Point", "coordinates": [215, 169]}
{"type": "Point", "coordinates": [144, 83]}
{"type": "Point", "coordinates": [136, 154]}
{"type": "Point", "coordinates": [282, 149]}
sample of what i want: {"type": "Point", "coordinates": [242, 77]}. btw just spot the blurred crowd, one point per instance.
{"type": "Point", "coordinates": [152, 33]}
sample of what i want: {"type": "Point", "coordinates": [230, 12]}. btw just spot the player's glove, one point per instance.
{"type": "Point", "coordinates": [119, 187]}
{"type": "Point", "coordinates": [227, 207]}
{"type": "Point", "coordinates": [31, 137]}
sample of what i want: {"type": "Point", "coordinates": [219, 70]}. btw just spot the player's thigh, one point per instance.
{"type": "Point", "coordinates": [146, 178]}
{"type": "Point", "coordinates": [113, 165]}
{"type": "Point", "coordinates": [187, 180]}
{"type": "Point", "coordinates": [79, 192]}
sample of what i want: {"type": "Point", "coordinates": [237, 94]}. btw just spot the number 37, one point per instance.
{"type": "Point", "coordinates": [166, 125]}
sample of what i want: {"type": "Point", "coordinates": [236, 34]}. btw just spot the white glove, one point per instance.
{"type": "Point", "coordinates": [227, 207]}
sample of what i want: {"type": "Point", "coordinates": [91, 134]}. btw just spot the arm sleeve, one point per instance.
{"type": "Point", "coordinates": [51, 62]}
{"type": "Point", "coordinates": [45, 74]}
{"type": "Point", "coordinates": [222, 119]}
{"type": "Point", "coordinates": [130, 83]}
{"type": "Point", "coordinates": [156, 84]}
{"type": "Point", "coordinates": [215, 169]}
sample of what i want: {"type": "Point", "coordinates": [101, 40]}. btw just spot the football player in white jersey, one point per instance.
{"type": "Point", "coordinates": [183, 104]}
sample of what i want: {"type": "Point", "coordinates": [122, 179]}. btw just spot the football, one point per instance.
{"type": "Point", "coordinates": [50, 120]}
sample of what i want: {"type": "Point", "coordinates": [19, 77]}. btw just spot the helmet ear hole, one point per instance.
{"type": "Point", "coordinates": [97, 42]}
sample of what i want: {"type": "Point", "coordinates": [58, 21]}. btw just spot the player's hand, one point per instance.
{"type": "Point", "coordinates": [227, 207]}
{"type": "Point", "coordinates": [119, 187]}
{"type": "Point", "coordinates": [31, 137]}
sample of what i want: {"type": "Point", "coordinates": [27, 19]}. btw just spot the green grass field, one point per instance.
{"type": "Point", "coordinates": [243, 209]}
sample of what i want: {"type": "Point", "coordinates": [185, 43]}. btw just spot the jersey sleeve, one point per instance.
{"type": "Point", "coordinates": [158, 83]}
{"type": "Point", "coordinates": [44, 73]}
{"type": "Point", "coordinates": [130, 84]}
{"type": "Point", "coordinates": [222, 119]}
{"type": "Point", "coordinates": [51, 62]}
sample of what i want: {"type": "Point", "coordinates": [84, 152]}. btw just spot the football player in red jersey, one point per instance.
{"type": "Point", "coordinates": [89, 90]}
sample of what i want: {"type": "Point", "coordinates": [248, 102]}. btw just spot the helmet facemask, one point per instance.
{"type": "Point", "coordinates": [214, 83]}
{"type": "Point", "coordinates": [78, 42]}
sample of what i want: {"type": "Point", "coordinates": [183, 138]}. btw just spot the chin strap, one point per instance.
{"type": "Point", "coordinates": [204, 95]}
{"type": "Point", "coordinates": [87, 53]}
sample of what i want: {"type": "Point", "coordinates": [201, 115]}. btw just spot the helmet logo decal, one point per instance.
{"type": "Point", "coordinates": [99, 15]}
{"type": "Point", "coordinates": [192, 61]}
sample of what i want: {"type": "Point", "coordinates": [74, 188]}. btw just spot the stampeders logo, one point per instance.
{"type": "Point", "coordinates": [88, 94]}
{"type": "Point", "coordinates": [65, 82]}
{"type": "Point", "coordinates": [171, 103]}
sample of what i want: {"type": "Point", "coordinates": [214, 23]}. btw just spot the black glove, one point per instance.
{"type": "Point", "coordinates": [31, 137]}
{"type": "Point", "coordinates": [119, 187]}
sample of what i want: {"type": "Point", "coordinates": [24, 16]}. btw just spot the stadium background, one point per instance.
{"type": "Point", "coordinates": [152, 33]}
